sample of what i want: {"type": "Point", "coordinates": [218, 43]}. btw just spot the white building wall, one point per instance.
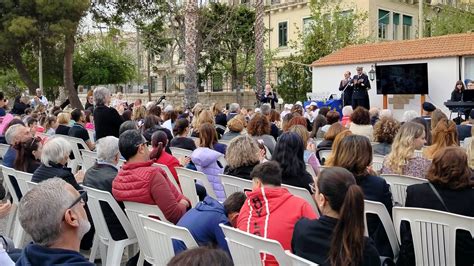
{"type": "Point", "coordinates": [442, 75]}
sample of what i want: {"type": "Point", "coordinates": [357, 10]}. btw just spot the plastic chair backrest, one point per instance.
{"type": "Point", "coordinates": [169, 174]}
{"type": "Point", "coordinates": [222, 161]}
{"type": "Point", "coordinates": [246, 248]}
{"type": "Point", "coordinates": [8, 172]}
{"type": "Point", "coordinates": [398, 186]}
{"type": "Point", "coordinates": [198, 176]}
{"type": "Point", "coordinates": [234, 184]}
{"type": "Point", "coordinates": [96, 196]}
{"type": "Point", "coordinates": [160, 236]}
{"type": "Point", "coordinates": [133, 210]}
{"type": "Point", "coordinates": [89, 158]}
{"type": "Point", "coordinates": [299, 261]}
{"type": "Point", "coordinates": [22, 178]}
{"type": "Point", "coordinates": [178, 152]}
{"type": "Point", "coordinates": [120, 163]}
{"type": "Point", "coordinates": [324, 155]}
{"type": "Point", "coordinates": [3, 149]}
{"type": "Point", "coordinates": [91, 134]}
{"type": "Point", "coordinates": [74, 164]}
{"type": "Point", "coordinates": [380, 210]}
{"type": "Point", "coordinates": [433, 233]}
{"type": "Point", "coordinates": [31, 184]}
{"type": "Point", "coordinates": [310, 170]}
{"type": "Point", "coordinates": [225, 142]}
{"type": "Point", "coordinates": [302, 193]}
{"type": "Point", "coordinates": [377, 162]}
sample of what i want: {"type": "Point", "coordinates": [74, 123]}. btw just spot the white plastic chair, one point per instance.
{"type": "Point", "coordinates": [245, 248]}
{"type": "Point", "coordinates": [234, 184]}
{"type": "Point", "coordinates": [377, 162]}
{"type": "Point", "coordinates": [398, 186]}
{"type": "Point", "coordinates": [22, 178]}
{"type": "Point", "coordinates": [91, 134]}
{"type": "Point", "coordinates": [178, 152]}
{"type": "Point", "coordinates": [310, 170]}
{"type": "Point", "coordinates": [225, 142]}
{"type": "Point", "coordinates": [18, 231]}
{"type": "Point", "coordinates": [120, 163]}
{"type": "Point", "coordinates": [74, 164]}
{"type": "Point", "coordinates": [160, 236]}
{"type": "Point", "coordinates": [169, 174]}
{"type": "Point", "coordinates": [381, 211]}
{"type": "Point", "coordinates": [433, 233]}
{"type": "Point", "coordinates": [115, 248]}
{"type": "Point", "coordinates": [299, 261]}
{"type": "Point", "coordinates": [3, 149]}
{"type": "Point", "coordinates": [324, 155]}
{"type": "Point", "coordinates": [133, 210]}
{"type": "Point", "coordinates": [302, 193]}
{"type": "Point", "coordinates": [31, 184]}
{"type": "Point", "coordinates": [222, 161]}
{"type": "Point", "coordinates": [88, 159]}
{"type": "Point", "coordinates": [187, 178]}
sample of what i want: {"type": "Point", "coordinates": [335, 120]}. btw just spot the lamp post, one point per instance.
{"type": "Point", "coordinates": [372, 73]}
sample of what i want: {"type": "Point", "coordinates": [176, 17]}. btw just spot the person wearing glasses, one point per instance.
{"type": "Point", "coordinates": [29, 154]}
{"type": "Point", "coordinates": [54, 215]}
{"type": "Point", "coordinates": [139, 181]}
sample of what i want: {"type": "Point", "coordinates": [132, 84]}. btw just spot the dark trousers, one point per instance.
{"type": "Point", "coordinates": [361, 102]}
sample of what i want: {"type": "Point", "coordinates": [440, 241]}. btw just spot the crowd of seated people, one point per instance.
{"type": "Point", "coordinates": [275, 151]}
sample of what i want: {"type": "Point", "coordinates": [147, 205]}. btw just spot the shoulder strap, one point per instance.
{"type": "Point", "coordinates": [438, 196]}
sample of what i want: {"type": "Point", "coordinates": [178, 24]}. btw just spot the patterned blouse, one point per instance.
{"type": "Point", "coordinates": [416, 166]}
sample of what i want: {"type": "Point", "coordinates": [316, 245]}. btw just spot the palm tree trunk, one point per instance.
{"type": "Point", "coordinates": [259, 50]}
{"type": "Point", "coordinates": [68, 68]}
{"type": "Point", "coordinates": [190, 79]}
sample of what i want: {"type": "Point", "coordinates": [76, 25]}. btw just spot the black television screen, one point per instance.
{"type": "Point", "coordinates": [402, 79]}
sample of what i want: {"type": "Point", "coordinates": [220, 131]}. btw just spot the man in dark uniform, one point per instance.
{"type": "Point", "coordinates": [360, 96]}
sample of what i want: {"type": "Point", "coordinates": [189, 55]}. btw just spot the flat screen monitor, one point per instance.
{"type": "Point", "coordinates": [402, 79]}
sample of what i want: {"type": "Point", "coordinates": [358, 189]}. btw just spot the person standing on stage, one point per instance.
{"type": "Point", "coordinates": [269, 96]}
{"type": "Point", "coordinates": [360, 96]}
{"type": "Point", "coordinates": [347, 89]}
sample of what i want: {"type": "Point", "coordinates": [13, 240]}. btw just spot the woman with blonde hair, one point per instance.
{"type": "Point", "coordinates": [436, 116]}
{"type": "Point", "coordinates": [235, 126]}
{"type": "Point", "coordinates": [238, 165]}
{"type": "Point", "coordinates": [63, 120]}
{"type": "Point", "coordinates": [444, 135]}
{"type": "Point", "coordinates": [335, 144]}
{"type": "Point", "coordinates": [205, 116]}
{"type": "Point", "coordinates": [402, 159]}
{"type": "Point", "coordinates": [309, 152]}
{"type": "Point", "coordinates": [139, 113]}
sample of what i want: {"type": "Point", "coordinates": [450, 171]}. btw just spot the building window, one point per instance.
{"type": "Point", "coordinates": [282, 34]}
{"type": "Point", "coordinates": [396, 22]}
{"type": "Point", "coordinates": [469, 68]}
{"type": "Point", "coordinates": [164, 84]}
{"type": "Point", "coordinates": [384, 20]}
{"type": "Point", "coordinates": [407, 22]}
{"type": "Point", "coordinates": [307, 25]}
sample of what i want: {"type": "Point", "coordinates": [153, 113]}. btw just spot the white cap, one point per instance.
{"type": "Point", "coordinates": [299, 103]}
{"type": "Point", "coordinates": [313, 104]}
{"type": "Point", "coordinates": [169, 108]}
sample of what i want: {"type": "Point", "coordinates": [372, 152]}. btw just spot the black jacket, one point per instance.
{"type": "Point", "coordinates": [312, 240]}
{"type": "Point", "coordinates": [183, 143]}
{"type": "Point", "coordinates": [56, 170]}
{"type": "Point", "coordinates": [242, 171]}
{"type": "Point", "coordinates": [457, 201]}
{"type": "Point", "coordinates": [19, 107]}
{"type": "Point", "coordinates": [101, 176]}
{"type": "Point", "coordinates": [62, 130]}
{"type": "Point", "coordinates": [107, 121]}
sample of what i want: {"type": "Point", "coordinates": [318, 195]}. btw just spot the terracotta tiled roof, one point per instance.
{"type": "Point", "coordinates": [442, 46]}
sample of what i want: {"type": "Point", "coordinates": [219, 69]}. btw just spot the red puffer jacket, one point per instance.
{"type": "Point", "coordinates": [272, 213]}
{"type": "Point", "coordinates": [141, 182]}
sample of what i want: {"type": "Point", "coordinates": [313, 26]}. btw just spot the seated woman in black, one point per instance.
{"type": "Point", "coordinates": [242, 155]}
{"type": "Point", "coordinates": [337, 237]}
{"type": "Point", "coordinates": [449, 174]}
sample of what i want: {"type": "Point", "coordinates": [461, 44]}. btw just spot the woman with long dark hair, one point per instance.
{"type": "Point", "coordinates": [458, 91]}
{"type": "Point", "coordinates": [181, 131]}
{"type": "Point", "coordinates": [337, 237]}
{"type": "Point", "coordinates": [289, 153]}
{"type": "Point", "coordinates": [28, 156]}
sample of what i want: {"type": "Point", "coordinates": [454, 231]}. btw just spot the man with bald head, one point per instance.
{"type": "Point", "coordinates": [53, 214]}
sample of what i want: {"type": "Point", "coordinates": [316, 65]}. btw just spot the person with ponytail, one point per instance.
{"type": "Point", "coordinates": [29, 154]}
{"type": "Point", "coordinates": [337, 237]}
{"type": "Point", "coordinates": [159, 140]}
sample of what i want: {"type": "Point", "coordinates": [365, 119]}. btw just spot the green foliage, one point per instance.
{"type": "Point", "coordinates": [10, 83]}
{"type": "Point", "coordinates": [331, 29]}
{"type": "Point", "coordinates": [451, 20]}
{"type": "Point", "coordinates": [100, 62]}
{"type": "Point", "coordinates": [228, 41]}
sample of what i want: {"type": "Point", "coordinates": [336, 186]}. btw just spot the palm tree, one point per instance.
{"type": "Point", "coordinates": [259, 50]}
{"type": "Point", "coordinates": [190, 78]}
